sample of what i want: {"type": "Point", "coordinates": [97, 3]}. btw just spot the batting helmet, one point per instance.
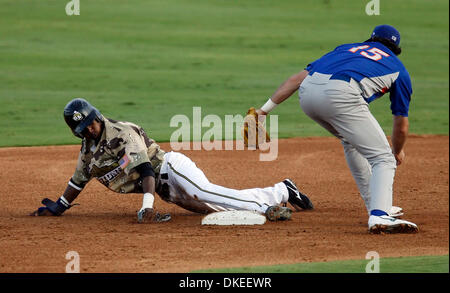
{"type": "Point", "coordinates": [79, 114]}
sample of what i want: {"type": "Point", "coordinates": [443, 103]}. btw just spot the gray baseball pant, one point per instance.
{"type": "Point", "coordinates": [339, 107]}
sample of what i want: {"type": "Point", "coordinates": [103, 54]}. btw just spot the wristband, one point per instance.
{"type": "Point", "coordinates": [147, 201]}
{"type": "Point", "coordinates": [62, 200]}
{"type": "Point", "coordinates": [57, 208]}
{"type": "Point", "coordinates": [269, 106]}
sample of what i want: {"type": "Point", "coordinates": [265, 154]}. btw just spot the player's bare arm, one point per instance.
{"type": "Point", "coordinates": [148, 184]}
{"type": "Point", "coordinates": [147, 213]}
{"type": "Point", "coordinates": [399, 134]}
{"type": "Point", "coordinates": [284, 91]}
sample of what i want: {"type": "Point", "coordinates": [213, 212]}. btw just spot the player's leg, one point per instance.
{"type": "Point", "coordinates": [365, 134]}
{"type": "Point", "coordinates": [360, 169]}
{"type": "Point", "coordinates": [358, 165]}
{"type": "Point", "coordinates": [314, 103]}
{"type": "Point", "coordinates": [311, 95]}
{"type": "Point", "coordinates": [362, 172]}
{"type": "Point", "coordinates": [343, 107]}
{"type": "Point", "coordinates": [190, 185]}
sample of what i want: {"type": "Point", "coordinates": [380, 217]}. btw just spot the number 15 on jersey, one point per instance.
{"type": "Point", "coordinates": [373, 53]}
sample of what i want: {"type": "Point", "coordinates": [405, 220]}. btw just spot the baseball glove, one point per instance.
{"type": "Point", "coordinates": [254, 131]}
{"type": "Point", "coordinates": [149, 215]}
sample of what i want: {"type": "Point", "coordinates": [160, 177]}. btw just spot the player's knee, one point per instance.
{"type": "Point", "coordinates": [386, 158]}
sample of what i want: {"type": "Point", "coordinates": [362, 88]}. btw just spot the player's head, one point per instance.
{"type": "Point", "coordinates": [388, 36]}
{"type": "Point", "coordinates": [79, 114]}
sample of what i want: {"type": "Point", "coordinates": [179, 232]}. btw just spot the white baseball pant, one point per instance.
{"type": "Point", "coordinates": [189, 188]}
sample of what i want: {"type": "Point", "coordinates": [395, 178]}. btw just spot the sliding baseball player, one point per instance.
{"type": "Point", "coordinates": [122, 157]}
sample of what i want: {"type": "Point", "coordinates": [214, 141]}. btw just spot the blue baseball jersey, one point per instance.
{"type": "Point", "coordinates": [374, 67]}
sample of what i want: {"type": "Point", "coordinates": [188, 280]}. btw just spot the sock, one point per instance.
{"type": "Point", "coordinates": [378, 213]}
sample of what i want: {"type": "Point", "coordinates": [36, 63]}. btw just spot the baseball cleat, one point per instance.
{"type": "Point", "coordinates": [386, 224]}
{"type": "Point", "coordinates": [395, 212]}
{"type": "Point", "coordinates": [277, 213]}
{"type": "Point", "coordinates": [297, 199]}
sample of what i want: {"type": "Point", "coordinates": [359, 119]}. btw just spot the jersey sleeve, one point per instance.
{"type": "Point", "coordinates": [81, 176]}
{"type": "Point", "coordinates": [400, 96]}
{"type": "Point", "coordinates": [132, 150]}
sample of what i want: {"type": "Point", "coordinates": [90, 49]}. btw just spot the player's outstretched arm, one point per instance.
{"type": "Point", "coordinates": [284, 91]}
{"type": "Point", "coordinates": [399, 134]}
{"type": "Point", "coordinates": [57, 208]}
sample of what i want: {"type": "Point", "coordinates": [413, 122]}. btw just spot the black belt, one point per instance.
{"type": "Point", "coordinates": [341, 76]}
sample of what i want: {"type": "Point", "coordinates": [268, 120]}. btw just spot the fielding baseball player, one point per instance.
{"type": "Point", "coordinates": [335, 91]}
{"type": "Point", "coordinates": [122, 157]}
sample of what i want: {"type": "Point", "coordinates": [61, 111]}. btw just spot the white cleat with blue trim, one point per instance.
{"type": "Point", "coordinates": [387, 224]}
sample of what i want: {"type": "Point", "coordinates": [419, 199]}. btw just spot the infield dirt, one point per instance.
{"type": "Point", "coordinates": [104, 231]}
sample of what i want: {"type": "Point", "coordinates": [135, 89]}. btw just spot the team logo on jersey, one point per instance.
{"type": "Point", "coordinates": [77, 116]}
{"type": "Point", "coordinates": [110, 176]}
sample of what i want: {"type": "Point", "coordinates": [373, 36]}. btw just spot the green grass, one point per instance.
{"type": "Point", "coordinates": [417, 264]}
{"type": "Point", "coordinates": [145, 61]}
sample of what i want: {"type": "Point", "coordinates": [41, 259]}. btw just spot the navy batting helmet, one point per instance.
{"type": "Point", "coordinates": [79, 114]}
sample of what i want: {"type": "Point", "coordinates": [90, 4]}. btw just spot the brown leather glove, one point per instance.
{"type": "Point", "coordinates": [253, 131]}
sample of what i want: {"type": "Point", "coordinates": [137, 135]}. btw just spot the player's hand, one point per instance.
{"type": "Point", "coordinates": [42, 211]}
{"type": "Point", "coordinates": [260, 112]}
{"type": "Point", "coordinates": [399, 157]}
{"type": "Point", "coordinates": [149, 215]}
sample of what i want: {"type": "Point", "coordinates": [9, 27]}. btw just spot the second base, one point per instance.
{"type": "Point", "coordinates": [226, 218]}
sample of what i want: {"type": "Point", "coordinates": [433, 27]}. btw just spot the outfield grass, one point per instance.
{"type": "Point", "coordinates": [417, 264]}
{"type": "Point", "coordinates": [145, 61]}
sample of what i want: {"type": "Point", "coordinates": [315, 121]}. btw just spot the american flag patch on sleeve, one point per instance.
{"type": "Point", "coordinates": [124, 162]}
